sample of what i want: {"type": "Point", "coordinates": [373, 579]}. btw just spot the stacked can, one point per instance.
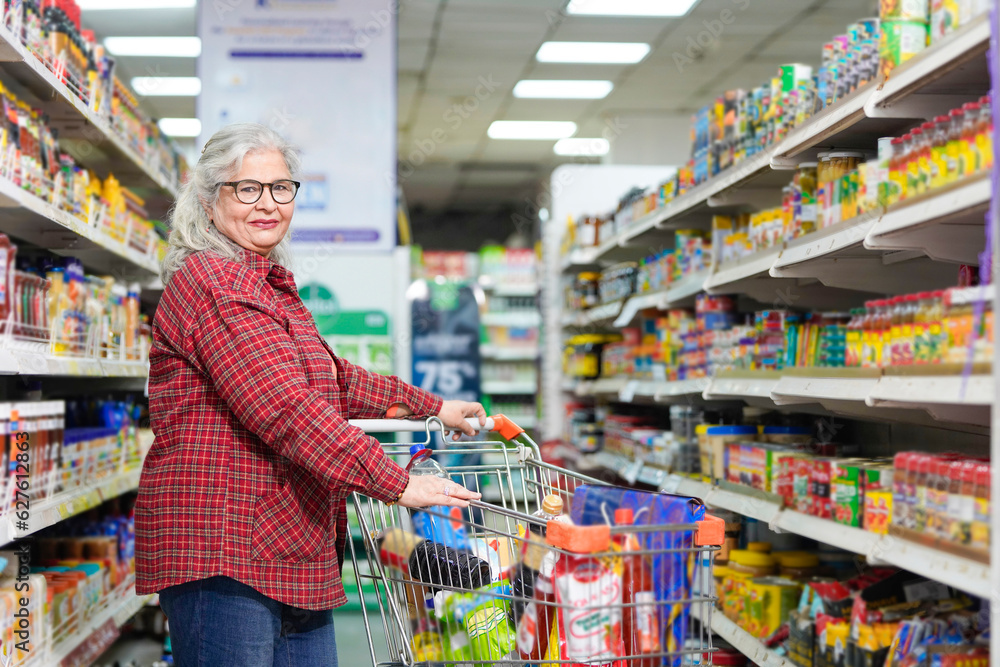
{"type": "Point", "coordinates": [905, 31]}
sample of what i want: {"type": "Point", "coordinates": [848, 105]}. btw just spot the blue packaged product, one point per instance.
{"type": "Point", "coordinates": [671, 570]}
{"type": "Point", "coordinates": [440, 524]}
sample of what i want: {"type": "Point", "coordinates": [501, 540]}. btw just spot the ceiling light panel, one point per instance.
{"type": "Point", "coordinates": [180, 127]}
{"type": "Point", "coordinates": [582, 146]}
{"type": "Point", "coordinates": [159, 47]}
{"type": "Point", "coordinates": [167, 86]}
{"type": "Point", "coordinates": [630, 7]}
{"type": "Point", "coordinates": [611, 53]}
{"type": "Point", "coordinates": [564, 90]}
{"type": "Point", "coordinates": [531, 129]}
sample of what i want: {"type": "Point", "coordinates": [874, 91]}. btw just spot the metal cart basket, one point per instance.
{"type": "Point", "coordinates": [494, 584]}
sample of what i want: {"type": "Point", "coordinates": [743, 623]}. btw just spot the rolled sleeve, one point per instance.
{"type": "Point", "coordinates": [372, 395]}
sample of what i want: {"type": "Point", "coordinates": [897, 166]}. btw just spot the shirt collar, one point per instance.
{"type": "Point", "coordinates": [265, 267]}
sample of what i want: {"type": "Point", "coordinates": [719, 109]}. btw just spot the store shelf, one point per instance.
{"type": "Point", "coordinates": [95, 636]}
{"type": "Point", "coordinates": [514, 319]}
{"type": "Point", "coordinates": [932, 82]}
{"type": "Point", "coordinates": [511, 388]}
{"type": "Point", "coordinates": [76, 122]}
{"type": "Point", "coordinates": [32, 361]}
{"type": "Point", "coordinates": [51, 511]}
{"type": "Point", "coordinates": [737, 277]}
{"type": "Point", "coordinates": [29, 218]}
{"type": "Point", "coordinates": [745, 643]}
{"type": "Point", "coordinates": [680, 294]}
{"type": "Point", "coordinates": [508, 353]}
{"type": "Point", "coordinates": [961, 573]}
{"type": "Point", "coordinates": [511, 289]}
{"type": "Point", "coordinates": [948, 225]}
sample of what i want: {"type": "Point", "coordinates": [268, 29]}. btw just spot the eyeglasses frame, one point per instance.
{"type": "Point", "coordinates": [233, 184]}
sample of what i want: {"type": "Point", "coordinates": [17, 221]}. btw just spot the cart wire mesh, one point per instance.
{"type": "Point", "coordinates": [491, 588]}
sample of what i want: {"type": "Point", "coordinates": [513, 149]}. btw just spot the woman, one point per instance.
{"type": "Point", "coordinates": [240, 520]}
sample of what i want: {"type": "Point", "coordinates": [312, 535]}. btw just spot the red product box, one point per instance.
{"type": "Point", "coordinates": [802, 485]}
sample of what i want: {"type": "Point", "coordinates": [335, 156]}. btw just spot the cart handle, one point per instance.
{"type": "Point", "coordinates": [496, 424]}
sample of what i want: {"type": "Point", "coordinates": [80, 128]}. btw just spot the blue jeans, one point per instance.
{"type": "Point", "coordinates": [219, 622]}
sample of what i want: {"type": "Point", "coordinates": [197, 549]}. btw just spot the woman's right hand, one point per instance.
{"type": "Point", "coordinates": [427, 491]}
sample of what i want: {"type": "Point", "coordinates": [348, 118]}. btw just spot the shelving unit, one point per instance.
{"type": "Point", "coordinates": [90, 138]}
{"type": "Point", "coordinates": [912, 246]}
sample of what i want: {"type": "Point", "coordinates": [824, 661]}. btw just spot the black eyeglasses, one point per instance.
{"type": "Point", "coordinates": [249, 192]}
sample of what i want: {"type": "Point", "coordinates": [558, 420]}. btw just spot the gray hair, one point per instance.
{"type": "Point", "coordinates": [221, 160]}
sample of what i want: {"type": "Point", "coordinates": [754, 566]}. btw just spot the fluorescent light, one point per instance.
{"type": "Point", "coordinates": [630, 7]}
{"type": "Point", "coordinates": [568, 90]}
{"type": "Point", "coordinates": [531, 129]}
{"type": "Point", "coordinates": [180, 127]}
{"type": "Point", "coordinates": [582, 146]}
{"type": "Point", "coordinates": [167, 86]}
{"type": "Point", "coordinates": [616, 53]}
{"type": "Point", "coordinates": [161, 47]}
{"type": "Point", "coordinates": [94, 5]}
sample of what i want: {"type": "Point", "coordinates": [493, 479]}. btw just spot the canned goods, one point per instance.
{"type": "Point", "coordinates": [903, 10]}
{"type": "Point", "coordinates": [900, 41]}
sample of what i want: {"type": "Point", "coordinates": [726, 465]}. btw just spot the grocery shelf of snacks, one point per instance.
{"type": "Point", "coordinates": [970, 576]}
{"type": "Point", "coordinates": [28, 217]}
{"type": "Point", "coordinates": [85, 494]}
{"type": "Point", "coordinates": [943, 76]}
{"type": "Point", "coordinates": [744, 642]}
{"type": "Point", "coordinates": [67, 109]}
{"type": "Point", "coordinates": [99, 633]}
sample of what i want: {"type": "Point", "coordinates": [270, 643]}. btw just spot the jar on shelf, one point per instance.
{"type": "Point", "coordinates": [587, 285]}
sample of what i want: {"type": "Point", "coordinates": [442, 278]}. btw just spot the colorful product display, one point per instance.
{"type": "Point", "coordinates": [78, 568]}
{"type": "Point", "coordinates": [52, 32]}
{"type": "Point", "coordinates": [30, 158]}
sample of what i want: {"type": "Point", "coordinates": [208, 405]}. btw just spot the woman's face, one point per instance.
{"type": "Point", "coordinates": [260, 226]}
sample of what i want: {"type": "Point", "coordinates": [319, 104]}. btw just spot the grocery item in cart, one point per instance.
{"type": "Point", "coordinates": [588, 590]}
{"type": "Point", "coordinates": [442, 566]}
{"type": "Point", "coordinates": [522, 579]}
{"type": "Point", "coordinates": [640, 622]}
{"type": "Point", "coordinates": [535, 626]}
{"type": "Point", "coordinates": [669, 563]}
{"type": "Point", "coordinates": [443, 525]}
{"type": "Point", "coordinates": [477, 625]}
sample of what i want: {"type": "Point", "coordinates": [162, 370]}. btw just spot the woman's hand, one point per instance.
{"type": "Point", "coordinates": [427, 491]}
{"type": "Point", "coordinates": [454, 413]}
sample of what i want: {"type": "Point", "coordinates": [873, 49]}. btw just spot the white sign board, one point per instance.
{"type": "Point", "coordinates": [323, 74]}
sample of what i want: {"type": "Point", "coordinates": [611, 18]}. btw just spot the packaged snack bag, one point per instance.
{"type": "Point", "coordinates": [589, 592]}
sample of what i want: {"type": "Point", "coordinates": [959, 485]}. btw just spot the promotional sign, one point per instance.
{"type": "Point", "coordinates": [352, 315]}
{"type": "Point", "coordinates": [322, 74]}
{"type": "Point", "coordinates": [446, 341]}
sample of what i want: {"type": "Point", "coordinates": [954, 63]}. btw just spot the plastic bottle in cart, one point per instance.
{"type": "Point", "coordinates": [522, 580]}
{"type": "Point", "coordinates": [535, 626]}
{"type": "Point", "coordinates": [433, 525]}
{"type": "Point", "coordinates": [640, 623]}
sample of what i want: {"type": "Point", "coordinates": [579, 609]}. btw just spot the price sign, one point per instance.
{"type": "Point", "coordinates": [446, 341]}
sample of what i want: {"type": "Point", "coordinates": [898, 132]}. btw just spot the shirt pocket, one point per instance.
{"type": "Point", "coordinates": [287, 528]}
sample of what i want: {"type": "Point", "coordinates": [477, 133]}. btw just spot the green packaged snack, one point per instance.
{"type": "Point", "coordinates": [478, 625]}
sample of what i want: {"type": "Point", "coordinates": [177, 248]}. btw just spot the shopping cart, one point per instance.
{"type": "Point", "coordinates": [597, 594]}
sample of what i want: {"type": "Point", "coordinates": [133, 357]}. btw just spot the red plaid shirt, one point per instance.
{"type": "Point", "coordinates": [253, 459]}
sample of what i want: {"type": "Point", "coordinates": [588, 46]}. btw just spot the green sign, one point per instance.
{"type": "Point", "coordinates": [332, 321]}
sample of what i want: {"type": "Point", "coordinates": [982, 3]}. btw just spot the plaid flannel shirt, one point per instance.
{"type": "Point", "coordinates": [253, 459]}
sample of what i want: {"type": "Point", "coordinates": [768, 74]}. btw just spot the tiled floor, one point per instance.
{"type": "Point", "coordinates": [352, 645]}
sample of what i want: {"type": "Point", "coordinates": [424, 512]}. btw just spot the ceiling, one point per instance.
{"type": "Point", "coordinates": [472, 52]}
